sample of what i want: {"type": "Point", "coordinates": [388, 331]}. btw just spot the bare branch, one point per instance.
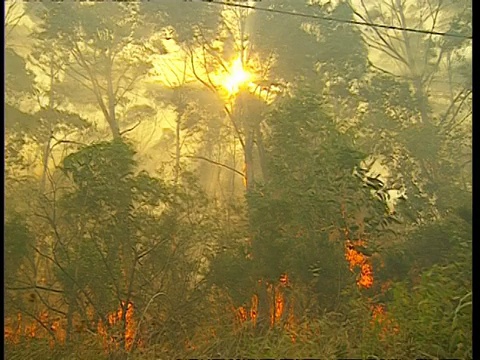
{"type": "Point", "coordinates": [198, 77]}
{"type": "Point", "coordinates": [10, 20]}
{"type": "Point", "coordinates": [382, 70]}
{"type": "Point", "coordinates": [65, 272]}
{"type": "Point", "coordinates": [122, 76]}
{"type": "Point", "coordinates": [449, 131]}
{"type": "Point", "coordinates": [206, 69]}
{"type": "Point", "coordinates": [130, 129]}
{"type": "Point", "coordinates": [216, 163]}
{"type": "Point", "coordinates": [234, 123]}
{"type": "Point", "coordinates": [386, 43]}
{"type": "Point", "coordinates": [22, 288]}
{"type": "Point", "coordinates": [465, 95]}
{"type": "Point", "coordinates": [452, 123]}
{"type": "Point", "coordinates": [129, 87]}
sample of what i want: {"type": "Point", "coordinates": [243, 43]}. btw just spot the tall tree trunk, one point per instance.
{"type": "Point", "coordinates": [234, 164]}
{"type": "Point", "coordinates": [177, 148]}
{"type": "Point", "coordinates": [262, 155]}
{"type": "Point", "coordinates": [51, 105]}
{"type": "Point", "coordinates": [72, 299]}
{"type": "Point", "coordinates": [417, 77]}
{"type": "Point", "coordinates": [112, 119]}
{"type": "Point", "coordinates": [249, 165]}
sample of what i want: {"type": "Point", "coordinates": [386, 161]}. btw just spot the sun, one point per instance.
{"type": "Point", "coordinates": [236, 78]}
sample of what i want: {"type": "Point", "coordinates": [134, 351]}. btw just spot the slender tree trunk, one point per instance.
{"type": "Point", "coordinates": [261, 153]}
{"type": "Point", "coordinates": [264, 307]}
{"type": "Point", "coordinates": [71, 293]}
{"type": "Point", "coordinates": [249, 165]}
{"type": "Point", "coordinates": [51, 105]}
{"type": "Point", "coordinates": [449, 72]}
{"type": "Point", "coordinates": [112, 119]}
{"type": "Point", "coordinates": [412, 64]}
{"type": "Point", "coordinates": [177, 148]}
{"type": "Point", "coordinates": [46, 154]}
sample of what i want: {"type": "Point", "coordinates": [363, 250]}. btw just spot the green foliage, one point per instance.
{"type": "Point", "coordinates": [310, 164]}
{"type": "Point", "coordinates": [342, 53]}
{"type": "Point", "coordinates": [105, 232]}
{"type": "Point", "coordinates": [228, 271]}
{"type": "Point", "coordinates": [107, 25]}
{"type": "Point", "coordinates": [17, 245]}
{"type": "Point", "coordinates": [18, 79]}
{"type": "Point", "coordinates": [437, 314]}
{"type": "Point", "coordinates": [95, 168]}
{"type": "Point", "coordinates": [168, 14]}
{"type": "Point", "coordinates": [295, 48]}
{"type": "Point", "coordinates": [392, 104]}
{"type": "Point", "coordinates": [423, 140]}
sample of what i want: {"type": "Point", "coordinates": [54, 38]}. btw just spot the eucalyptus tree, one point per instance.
{"type": "Point", "coordinates": [284, 40]}
{"type": "Point", "coordinates": [218, 51]}
{"type": "Point", "coordinates": [18, 86]}
{"type": "Point", "coordinates": [435, 72]}
{"type": "Point", "coordinates": [417, 57]}
{"type": "Point", "coordinates": [118, 239]}
{"type": "Point", "coordinates": [105, 53]}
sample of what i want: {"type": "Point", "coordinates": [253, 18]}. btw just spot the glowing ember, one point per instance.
{"type": "Point", "coordinates": [380, 318]}
{"type": "Point", "coordinates": [254, 309]}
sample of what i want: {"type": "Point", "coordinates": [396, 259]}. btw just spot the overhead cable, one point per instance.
{"type": "Point", "coordinates": [345, 21]}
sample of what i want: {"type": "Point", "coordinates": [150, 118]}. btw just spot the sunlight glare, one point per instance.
{"type": "Point", "coordinates": [237, 77]}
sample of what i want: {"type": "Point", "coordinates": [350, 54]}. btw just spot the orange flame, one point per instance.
{"type": "Point", "coordinates": [114, 318]}
{"type": "Point", "coordinates": [254, 309]}
{"type": "Point", "coordinates": [380, 317]}
{"type": "Point", "coordinates": [357, 259]}
{"type": "Point", "coordinates": [14, 330]}
{"type": "Point", "coordinates": [277, 306]}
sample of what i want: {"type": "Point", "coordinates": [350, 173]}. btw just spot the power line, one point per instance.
{"type": "Point", "coordinates": [351, 22]}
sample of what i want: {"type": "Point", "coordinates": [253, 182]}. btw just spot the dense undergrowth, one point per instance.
{"type": "Point", "coordinates": [272, 187]}
{"type": "Point", "coordinates": [432, 319]}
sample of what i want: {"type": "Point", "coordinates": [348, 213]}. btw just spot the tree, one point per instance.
{"type": "Point", "coordinates": [421, 61]}
{"type": "Point", "coordinates": [141, 236]}
{"type": "Point", "coordinates": [296, 216]}
{"type": "Point", "coordinates": [106, 52]}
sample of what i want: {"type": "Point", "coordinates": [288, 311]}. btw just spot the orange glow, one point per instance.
{"type": "Point", "coordinates": [15, 330]}
{"type": "Point", "coordinates": [366, 276]}
{"type": "Point", "coordinates": [278, 305]}
{"type": "Point", "coordinates": [380, 318]}
{"type": "Point", "coordinates": [12, 333]}
{"type": "Point", "coordinates": [291, 321]}
{"type": "Point", "coordinates": [31, 329]}
{"type": "Point", "coordinates": [357, 259]}
{"type": "Point", "coordinates": [254, 309]}
{"type": "Point", "coordinates": [60, 333]}
{"type": "Point", "coordinates": [242, 314]}
{"type": "Point", "coordinates": [114, 318]}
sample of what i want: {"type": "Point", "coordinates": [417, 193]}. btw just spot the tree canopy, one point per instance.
{"type": "Point", "coordinates": [239, 179]}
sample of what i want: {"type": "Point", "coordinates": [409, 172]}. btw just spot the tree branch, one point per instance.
{"type": "Point", "coordinates": [216, 163]}
{"type": "Point", "coordinates": [130, 129]}
{"type": "Point", "coordinates": [21, 288]}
